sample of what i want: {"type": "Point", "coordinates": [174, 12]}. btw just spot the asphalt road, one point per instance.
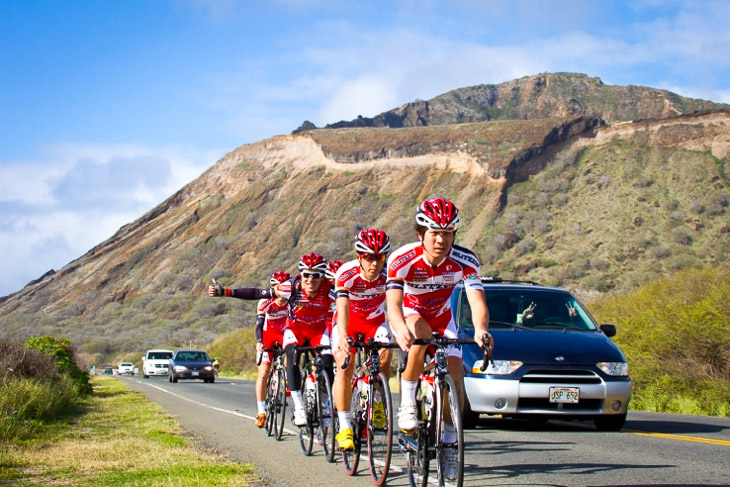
{"type": "Point", "coordinates": [653, 449]}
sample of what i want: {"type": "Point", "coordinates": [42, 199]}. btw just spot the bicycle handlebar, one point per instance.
{"type": "Point", "coordinates": [371, 344]}
{"type": "Point", "coordinates": [442, 341]}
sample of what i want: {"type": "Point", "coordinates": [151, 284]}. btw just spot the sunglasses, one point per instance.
{"type": "Point", "coordinates": [373, 257]}
{"type": "Point", "coordinates": [313, 275]}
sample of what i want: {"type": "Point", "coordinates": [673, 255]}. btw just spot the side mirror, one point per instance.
{"type": "Point", "coordinates": [608, 329]}
{"type": "Point", "coordinates": [143, 358]}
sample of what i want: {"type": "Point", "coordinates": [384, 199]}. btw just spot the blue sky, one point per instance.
{"type": "Point", "coordinates": [109, 107]}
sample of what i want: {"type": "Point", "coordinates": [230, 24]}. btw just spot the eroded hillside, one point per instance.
{"type": "Point", "coordinates": [570, 201]}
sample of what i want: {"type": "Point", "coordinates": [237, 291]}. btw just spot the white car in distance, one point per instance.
{"type": "Point", "coordinates": [125, 368]}
{"type": "Point", "coordinates": [156, 362]}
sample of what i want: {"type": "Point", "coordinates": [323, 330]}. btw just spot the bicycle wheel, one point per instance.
{"type": "Point", "coordinates": [379, 429]}
{"type": "Point", "coordinates": [351, 458]}
{"type": "Point", "coordinates": [417, 444]}
{"type": "Point", "coordinates": [325, 413]}
{"type": "Point", "coordinates": [270, 403]}
{"type": "Point", "coordinates": [307, 432]}
{"type": "Point", "coordinates": [280, 404]}
{"type": "Point", "coordinates": [446, 391]}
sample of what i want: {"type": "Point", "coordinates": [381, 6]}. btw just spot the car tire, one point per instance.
{"type": "Point", "coordinates": [145, 376]}
{"type": "Point", "coordinates": [470, 419]}
{"type": "Point", "coordinates": [212, 379]}
{"type": "Point", "coordinates": [610, 422]}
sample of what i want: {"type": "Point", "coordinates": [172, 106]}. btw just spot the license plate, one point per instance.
{"type": "Point", "coordinates": [195, 374]}
{"type": "Point", "coordinates": [564, 394]}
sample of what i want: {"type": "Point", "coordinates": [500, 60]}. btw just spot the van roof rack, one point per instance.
{"type": "Point", "coordinates": [499, 280]}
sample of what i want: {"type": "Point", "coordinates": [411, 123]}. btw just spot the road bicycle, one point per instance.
{"type": "Point", "coordinates": [276, 391]}
{"type": "Point", "coordinates": [375, 428]}
{"type": "Point", "coordinates": [436, 391]}
{"type": "Point", "coordinates": [318, 401]}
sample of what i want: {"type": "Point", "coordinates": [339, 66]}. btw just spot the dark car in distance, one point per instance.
{"type": "Point", "coordinates": [551, 359]}
{"type": "Point", "coordinates": [191, 364]}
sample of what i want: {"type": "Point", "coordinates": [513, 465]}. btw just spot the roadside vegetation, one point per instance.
{"type": "Point", "coordinates": [675, 333]}
{"type": "Point", "coordinates": [114, 437]}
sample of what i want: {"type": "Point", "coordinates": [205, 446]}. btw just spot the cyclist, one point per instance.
{"type": "Point", "coordinates": [360, 291]}
{"type": "Point", "coordinates": [421, 277]}
{"type": "Point", "coordinates": [311, 304]}
{"type": "Point", "coordinates": [332, 267]}
{"type": "Point", "coordinates": [270, 321]}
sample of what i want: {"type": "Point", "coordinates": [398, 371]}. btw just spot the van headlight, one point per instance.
{"type": "Point", "coordinates": [499, 367]}
{"type": "Point", "coordinates": [614, 368]}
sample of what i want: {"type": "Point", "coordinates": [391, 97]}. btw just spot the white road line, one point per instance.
{"type": "Point", "coordinates": [227, 411]}
{"type": "Point", "coordinates": [235, 413]}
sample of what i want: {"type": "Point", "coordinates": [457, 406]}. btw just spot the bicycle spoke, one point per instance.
{"type": "Point", "coordinates": [325, 408]}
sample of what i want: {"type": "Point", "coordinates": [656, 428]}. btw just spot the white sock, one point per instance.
{"type": "Point", "coordinates": [261, 406]}
{"type": "Point", "coordinates": [297, 398]}
{"type": "Point", "coordinates": [408, 392]}
{"type": "Point", "coordinates": [344, 419]}
{"type": "Point", "coordinates": [449, 435]}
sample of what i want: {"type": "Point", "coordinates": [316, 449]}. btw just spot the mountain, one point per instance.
{"type": "Point", "coordinates": [581, 200]}
{"type": "Point", "coordinates": [541, 96]}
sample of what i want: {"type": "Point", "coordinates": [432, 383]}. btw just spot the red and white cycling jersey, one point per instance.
{"type": "Point", "coordinates": [274, 319]}
{"type": "Point", "coordinates": [427, 290]}
{"type": "Point", "coordinates": [308, 317]}
{"type": "Point", "coordinates": [367, 298]}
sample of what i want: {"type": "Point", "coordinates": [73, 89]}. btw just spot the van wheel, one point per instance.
{"type": "Point", "coordinates": [146, 376]}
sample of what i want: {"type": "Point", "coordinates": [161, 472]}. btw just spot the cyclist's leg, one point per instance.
{"type": "Point", "coordinates": [342, 384]}
{"type": "Point", "coordinates": [293, 373]}
{"type": "Point", "coordinates": [420, 328]}
{"type": "Point", "coordinates": [263, 373]}
{"type": "Point", "coordinates": [382, 335]}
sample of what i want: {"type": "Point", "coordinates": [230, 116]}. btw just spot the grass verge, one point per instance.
{"type": "Point", "coordinates": [119, 439]}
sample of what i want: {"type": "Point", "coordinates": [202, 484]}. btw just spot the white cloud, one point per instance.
{"type": "Point", "coordinates": [56, 208]}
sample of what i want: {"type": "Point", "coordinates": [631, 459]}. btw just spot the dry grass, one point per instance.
{"type": "Point", "coordinates": [120, 439]}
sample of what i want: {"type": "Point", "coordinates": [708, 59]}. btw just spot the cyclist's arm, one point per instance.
{"type": "Point", "coordinates": [343, 318]}
{"type": "Point", "coordinates": [260, 320]}
{"type": "Point", "coordinates": [479, 313]}
{"type": "Point", "coordinates": [394, 302]}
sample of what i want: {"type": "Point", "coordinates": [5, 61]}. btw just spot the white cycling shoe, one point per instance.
{"type": "Point", "coordinates": [407, 417]}
{"type": "Point", "coordinates": [300, 417]}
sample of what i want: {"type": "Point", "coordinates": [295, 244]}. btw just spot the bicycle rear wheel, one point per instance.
{"type": "Point", "coordinates": [446, 391]}
{"type": "Point", "coordinates": [280, 404]}
{"type": "Point", "coordinates": [379, 429]}
{"type": "Point", "coordinates": [325, 413]}
{"type": "Point", "coordinates": [351, 458]}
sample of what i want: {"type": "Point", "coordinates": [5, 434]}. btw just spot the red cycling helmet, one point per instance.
{"type": "Point", "coordinates": [372, 241]}
{"type": "Point", "coordinates": [278, 277]}
{"type": "Point", "coordinates": [332, 268]}
{"type": "Point", "coordinates": [438, 214]}
{"type": "Point", "coordinates": [314, 262]}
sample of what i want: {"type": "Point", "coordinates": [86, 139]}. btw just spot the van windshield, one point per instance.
{"type": "Point", "coordinates": [159, 355]}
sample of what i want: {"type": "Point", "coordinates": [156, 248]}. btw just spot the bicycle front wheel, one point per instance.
{"type": "Point", "coordinates": [307, 432]}
{"type": "Point", "coordinates": [449, 456]}
{"type": "Point", "coordinates": [325, 412]}
{"type": "Point", "coordinates": [270, 403]}
{"type": "Point", "coordinates": [280, 405]}
{"type": "Point", "coordinates": [379, 428]}
{"type": "Point", "coordinates": [418, 443]}
{"type": "Point", "coordinates": [351, 458]}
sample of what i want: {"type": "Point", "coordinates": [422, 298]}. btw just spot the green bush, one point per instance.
{"type": "Point", "coordinates": [675, 333]}
{"type": "Point", "coordinates": [60, 349]}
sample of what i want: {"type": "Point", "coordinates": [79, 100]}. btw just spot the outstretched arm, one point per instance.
{"type": "Point", "coordinates": [248, 293]}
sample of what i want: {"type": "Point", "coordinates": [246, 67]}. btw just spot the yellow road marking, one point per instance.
{"type": "Point", "coordinates": [695, 439]}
